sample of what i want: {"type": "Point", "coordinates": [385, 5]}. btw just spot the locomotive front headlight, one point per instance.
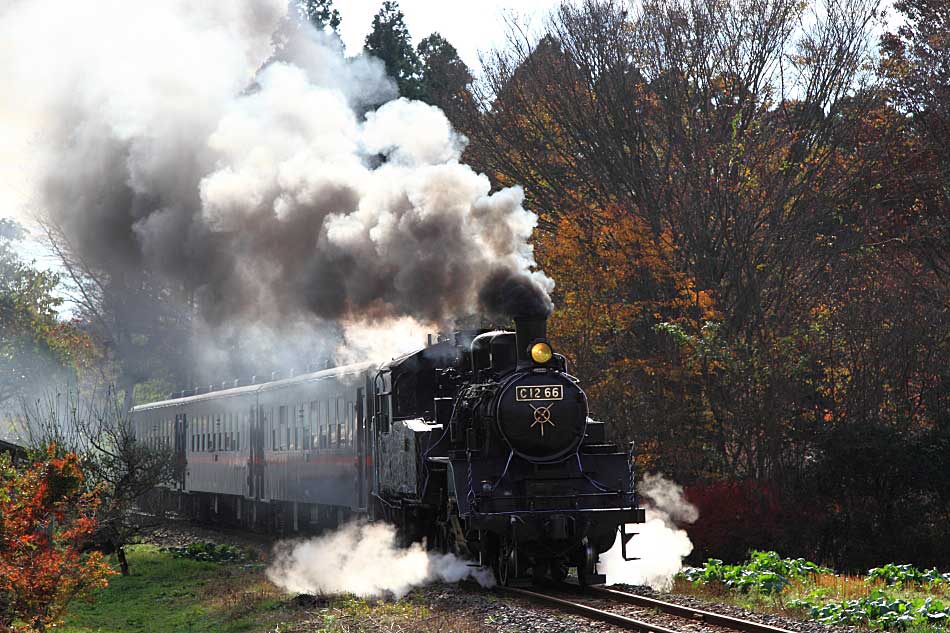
{"type": "Point", "coordinates": [541, 353]}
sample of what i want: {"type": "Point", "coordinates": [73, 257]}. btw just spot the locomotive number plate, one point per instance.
{"type": "Point", "coordinates": [539, 392]}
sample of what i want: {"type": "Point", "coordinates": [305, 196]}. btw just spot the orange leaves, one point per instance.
{"type": "Point", "coordinates": [45, 518]}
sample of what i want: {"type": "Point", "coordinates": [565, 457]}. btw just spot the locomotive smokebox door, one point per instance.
{"type": "Point", "coordinates": [542, 416]}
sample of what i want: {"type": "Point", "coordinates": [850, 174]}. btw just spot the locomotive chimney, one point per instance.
{"type": "Point", "coordinates": [528, 330]}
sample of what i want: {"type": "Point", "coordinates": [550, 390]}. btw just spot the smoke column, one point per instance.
{"type": "Point", "coordinates": [279, 187]}
{"type": "Point", "coordinates": [660, 544]}
{"type": "Point", "coordinates": [364, 560]}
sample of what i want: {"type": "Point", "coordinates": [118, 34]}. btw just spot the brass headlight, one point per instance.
{"type": "Point", "coordinates": [541, 353]}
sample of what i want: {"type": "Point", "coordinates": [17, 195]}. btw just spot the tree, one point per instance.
{"type": "Point", "coordinates": [46, 515]}
{"type": "Point", "coordinates": [35, 346]}
{"type": "Point", "coordinates": [141, 322]}
{"type": "Point", "coordinates": [742, 223]}
{"type": "Point", "coordinates": [122, 468]}
{"type": "Point", "coordinates": [390, 41]}
{"type": "Point", "coordinates": [445, 77]}
{"type": "Point", "coordinates": [319, 13]}
{"type": "Point", "coordinates": [916, 66]}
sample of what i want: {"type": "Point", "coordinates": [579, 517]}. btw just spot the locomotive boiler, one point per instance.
{"type": "Point", "coordinates": [479, 444]}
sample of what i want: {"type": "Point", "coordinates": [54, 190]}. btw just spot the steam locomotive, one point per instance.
{"type": "Point", "coordinates": [480, 445]}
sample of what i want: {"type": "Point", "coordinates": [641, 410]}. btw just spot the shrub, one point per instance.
{"type": "Point", "coordinates": [877, 611]}
{"type": "Point", "coordinates": [211, 552]}
{"type": "Point", "coordinates": [893, 574]}
{"type": "Point", "coordinates": [764, 572]}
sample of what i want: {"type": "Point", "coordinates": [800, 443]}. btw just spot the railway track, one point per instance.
{"type": "Point", "coordinates": [596, 603]}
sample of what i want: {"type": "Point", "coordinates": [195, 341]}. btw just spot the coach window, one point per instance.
{"type": "Point", "coordinates": [318, 430]}
{"type": "Point", "coordinates": [348, 420]}
{"type": "Point", "coordinates": [283, 437]}
{"type": "Point", "coordinates": [322, 424]}
{"type": "Point", "coordinates": [271, 424]}
{"type": "Point", "coordinates": [312, 425]}
{"type": "Point", "coordinates": [334, 423]}
{"type": "Point", "coordinates": [340, 422]}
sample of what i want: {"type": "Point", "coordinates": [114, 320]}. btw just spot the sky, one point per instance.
{"type": "Point", "coordinates": [471, 26]}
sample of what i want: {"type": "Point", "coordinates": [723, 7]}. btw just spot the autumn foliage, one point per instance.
{"type": "Point", "coordinates": [46, 516]}
{"type": "Point", "coordinates": [745, 208]}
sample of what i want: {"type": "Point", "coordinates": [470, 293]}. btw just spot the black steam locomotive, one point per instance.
{"type": "Point", "coordinates": [481, 445]}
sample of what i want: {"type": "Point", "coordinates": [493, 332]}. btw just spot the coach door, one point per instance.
{"type": "Point", "coordinates": [361, 446]}
{"type": "Point", "coordinates": [255, 470]}
{"type": "Point", "coordinates": [181, 444]}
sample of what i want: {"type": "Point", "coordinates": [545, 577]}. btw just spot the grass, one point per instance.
{"type": "Point", "coordinates": [165, 594]}
{"type": "Point", "coordinates": [816, 588]}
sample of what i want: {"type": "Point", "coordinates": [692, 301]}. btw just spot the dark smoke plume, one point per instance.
{"type": "Point", "coordinates": [507, 294]}
{"type": "Point", "coordinates": [177, 142]}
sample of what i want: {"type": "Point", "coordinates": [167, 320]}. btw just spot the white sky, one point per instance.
{"type": "Point", "coordinates": [471, 26]}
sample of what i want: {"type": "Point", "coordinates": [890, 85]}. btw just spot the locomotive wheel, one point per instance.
{"type": "Point", "coordinates": [506, 565]}
{"type": "Point", "coordinates": [586, 565]}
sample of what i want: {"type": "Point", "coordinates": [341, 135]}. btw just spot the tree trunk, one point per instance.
{"type": "Point", "coordinates": [127, 385]}
{"type": "Point", "coordinates": [123, 562]}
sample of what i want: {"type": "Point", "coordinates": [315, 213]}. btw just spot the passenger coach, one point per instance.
{"type": "Point", "coordinates": [287, 454]}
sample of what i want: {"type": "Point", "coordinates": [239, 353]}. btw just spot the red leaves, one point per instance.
{"type": "Point", "coordinates": [45, 517]}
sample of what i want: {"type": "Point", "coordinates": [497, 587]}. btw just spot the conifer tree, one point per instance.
{"type": "Point", "coordinates": [445, 78]}
{"type": "Point", "coordinates": [320, 13]}
{"type": "Point", "coordinates": [390, 41]}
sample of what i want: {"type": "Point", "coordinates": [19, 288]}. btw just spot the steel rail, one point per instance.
{"type": "Point", "coordinates": [590, 612]}
{"type": "Point", "coordinates": [623, 621]}
{"type": "Point", "coordinates": [708, 617]}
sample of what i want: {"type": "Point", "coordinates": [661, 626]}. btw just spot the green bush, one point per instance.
{"type": "Point", "coordinates": [211, 552]}
{"type": "Point", "coordinates": [764, 572]}
{"type": "Point", "coordinates": [893, 574]}
{"type": "Point", "coordinates": [877, 611]}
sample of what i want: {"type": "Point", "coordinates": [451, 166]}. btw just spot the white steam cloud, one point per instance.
{"type": "Point", "coordinates": [364, 560]}
{"type": "Point", "coordinates": [268, 180]}
{"type": "Point", "coordinates": [660, 544]}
